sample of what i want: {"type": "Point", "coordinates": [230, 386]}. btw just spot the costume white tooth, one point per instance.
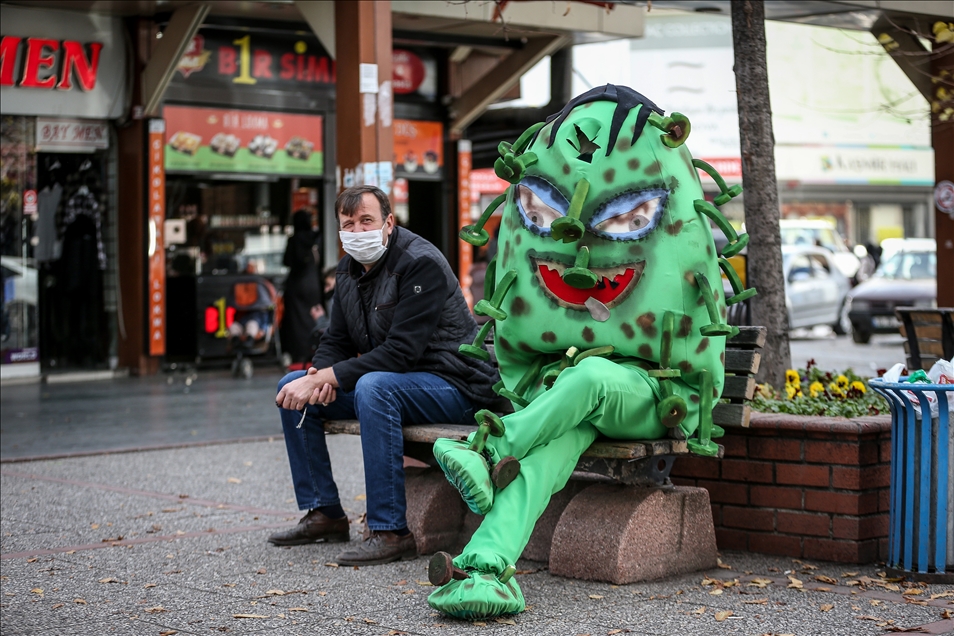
{"type": "Point", "coordinates": [598, 311]}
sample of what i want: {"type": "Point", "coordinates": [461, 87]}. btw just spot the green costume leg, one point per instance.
{"type": "Point", "coordinates": [597, 390]}
{"type": "Point", "coordinates": [504, 533]}
{"type": "Point", "coordinates": [616, 398]}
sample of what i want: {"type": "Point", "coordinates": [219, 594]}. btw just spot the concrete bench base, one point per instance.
{"type": "Point", "coordinates": [594, 531]}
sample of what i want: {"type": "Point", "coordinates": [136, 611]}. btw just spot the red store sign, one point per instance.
{"type": "Point", "coordinates": [49, 63]}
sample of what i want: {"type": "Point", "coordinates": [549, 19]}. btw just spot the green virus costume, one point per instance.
{"type": "Point", "coordinates": [609, 319]}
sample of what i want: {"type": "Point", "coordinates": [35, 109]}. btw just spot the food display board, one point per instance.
{"type": "Point", "coordinates": [220, 140]}
{"type": "Point", "coordinates": [418, 147]}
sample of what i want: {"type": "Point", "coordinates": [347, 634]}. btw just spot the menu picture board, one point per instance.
{"type": "Point", "coordinates": [259, 142]}
{"type": "Point", "coordinates": [418, 147]}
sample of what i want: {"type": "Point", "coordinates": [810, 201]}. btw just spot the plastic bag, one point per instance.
{"type": "Point", "coordinates": [940, 373]}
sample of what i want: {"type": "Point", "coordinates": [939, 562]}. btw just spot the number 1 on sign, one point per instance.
{"type": "Point", "coordinates": [245, 61]}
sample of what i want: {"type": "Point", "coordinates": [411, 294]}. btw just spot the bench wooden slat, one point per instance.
{"type": "Point", "coordinates": [738, 388]}
{"type": "Point", "coordinates": [927, 348]}
{"type": "Point", "coordinates": [748, 338]}
{"type": "Point", "coordinates": [742, 362]}
{"type": "Point", "coordinates": [731, 415]}
{"type": "Point", "coordinates": [927, 317]}
{"type": "Point", "coordinates": [924, 332]}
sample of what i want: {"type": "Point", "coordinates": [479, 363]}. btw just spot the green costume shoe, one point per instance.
{"type": "Point", "coordinates": [467, 471]}
{"type": "Point", "coordinates": [480, 595]}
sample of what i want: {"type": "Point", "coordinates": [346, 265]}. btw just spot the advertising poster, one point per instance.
{"type": "Point", "coordinates": [219, 140]}
{"type": "Point", "coordinates": [157, 251]}
{"type": "Point", "coordinates": [418, 147]}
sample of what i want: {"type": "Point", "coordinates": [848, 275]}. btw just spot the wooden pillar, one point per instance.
{"type": "Point", "coordinates": [365, 106]}
{"type": "Point", "coordinates": [942, 138]}
{"type": "Point", "coordinates": [132, 229]}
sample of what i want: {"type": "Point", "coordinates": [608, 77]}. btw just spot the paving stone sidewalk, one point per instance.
{"type": "Point", "coordinates": [173, 542]}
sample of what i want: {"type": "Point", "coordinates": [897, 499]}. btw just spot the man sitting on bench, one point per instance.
{"type": "Point", "coordinates": [399, 306]}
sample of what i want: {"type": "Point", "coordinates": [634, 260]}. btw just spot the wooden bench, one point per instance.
{"type": "Point", "coordinates": [620, 494]}
{"type": "Point", "coordinates": [929, 335]}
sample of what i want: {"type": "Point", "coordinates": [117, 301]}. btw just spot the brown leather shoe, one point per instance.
{"type": "Point", "coordinates": [380, 547]}
{"type": "Point", "coordinates": [312, 528]}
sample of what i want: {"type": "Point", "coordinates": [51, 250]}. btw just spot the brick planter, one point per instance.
{"type": "Point", "coordinates": [808, 487]}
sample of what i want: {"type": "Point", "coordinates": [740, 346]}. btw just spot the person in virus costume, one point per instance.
{"type": "Point", "coordinates": [609, 319]}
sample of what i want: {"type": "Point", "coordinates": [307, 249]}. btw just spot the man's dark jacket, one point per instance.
{"type": "Point", "coordinates": [407, 313]}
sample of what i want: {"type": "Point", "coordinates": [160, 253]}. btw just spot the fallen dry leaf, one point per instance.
{"type": "Point", "coordinates": [395, 632]}
{"type": "Point", "coordinates": [795, 583]}
{"type": "Point", "coordinates": [148, 585]}
{"type": "Point", "coordinates": [234, 480]}
{"type": "Point", "coordinates": [942, 595]}
{"type": "Point", "coordinates": [724, 566]}
{"type": "Point", "coordinates": [946, 613]}
{"type": "Point", "coordinates": [274, 593]}
{"type": "Point", "coordinates": [248, 616]}
{"type": "Point", "coordinates": [894, 628]}
{"type": "Point", "coordinates": [94, 526]}
{"type": "Point", "coordinates": [168, 632]}
{"type": "Point", "coordinates": [79, 601]}
{"type": "Point", "coordinates": [701, 610]}
{"type": "Point", "coordinates": [760, 583]}
{"type": "Point", "coordinates": [845, 575]}
{"type": "Point", "coordinates": [37, 590]}
{"type": "Point", "coordinates": [505, 621]}
{"type": "Point", "coordinates": [480, 624]}
{"type": "Point", "coordinates": [595, 596]}
{"type": "Point", "coordinates": [865, 617]}
{"type": "Point", "coordinates": [911, 591]}
{"type": "Point", "coordinates": [822, 588]}
{"type": "Point", "coordinates": [57, 606]}
{"type": "Point", "coordinates": [826, 579]}
{"type": "Point", "coordinates": [756, 601]}
{"type": "Point", "coordinates": [716, 592]}
{"type": "Point", "coordinates": [721, 616]}
{"type": "Point", "coordinates": [297, 609]}
{"type": "Point", "coordinates": [369, 621]}
{"type": "Point", "coordinates": [158, 609]}
{"type": "Point", "coordinates": [261, 571]}
{"type": "Point", "coordinates": [827, 607]}
{"type": "Point", "coordinates": [424, 583]}
{"type": "Point", "coordinates": [108, 580]}
{"type": "Point", "coordinates": [331, 565]}
{"type": "Point", "coordinates": [33, 560]}
{"type": "Point", "coordinates": [707, 581]}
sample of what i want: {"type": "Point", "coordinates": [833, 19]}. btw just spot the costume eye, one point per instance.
{"type": "Point", "coordinates": [538, 214]}
{"type": "Point", "coordinates": [631, 215]}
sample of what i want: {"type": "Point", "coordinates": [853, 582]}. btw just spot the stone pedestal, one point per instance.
{"type": "Point", "coordinates": [435, 511]}
{"type": "Point", "coordinates": [624, 534]}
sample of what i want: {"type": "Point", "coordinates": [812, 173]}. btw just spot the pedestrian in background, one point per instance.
{"type": "Point", "coordinates": [302, 288]}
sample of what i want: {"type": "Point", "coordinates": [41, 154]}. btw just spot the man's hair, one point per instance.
{"type": "Point", "coordinates": [349, 201]}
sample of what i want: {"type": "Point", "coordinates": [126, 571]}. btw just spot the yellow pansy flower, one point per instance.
{"type": "Point", "coordinates": [836, 390]}
{"type": "Point", "coordinates": [792, 377]}
{"type": "Point", "coordinates": [858, 386]}
{"type": "Point", "coordinates": [816, 388]}
{"type": "Point", "coordinates": [842, 381]}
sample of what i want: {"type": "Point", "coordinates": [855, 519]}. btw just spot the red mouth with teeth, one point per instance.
{"type": "Point", "coordinates": [607, 290]}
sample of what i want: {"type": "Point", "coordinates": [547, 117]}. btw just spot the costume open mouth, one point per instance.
{"type": "Point", "coordinates": [615, 283]}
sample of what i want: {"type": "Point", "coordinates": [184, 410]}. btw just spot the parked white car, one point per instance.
{"type": "Point", "coordinates": [820, 233]}
{"type": "Point", "coordinates": [815, 288]}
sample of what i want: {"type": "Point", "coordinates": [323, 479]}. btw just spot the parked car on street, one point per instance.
{"type": "Point", "coordinates": [815, 288]}
{"type": "Point", "coordinates": [821, 233]}
{"type": "Point", "coordinates": [907, 278]}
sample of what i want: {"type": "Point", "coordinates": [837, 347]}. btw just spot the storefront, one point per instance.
{"type": "Point", "coordinates": [63, 86]}
{"type": "Point", "coordinates": [247, 126]}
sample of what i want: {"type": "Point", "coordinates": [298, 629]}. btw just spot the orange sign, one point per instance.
{"type": "Point", "coordinates": [156, 193]}
{"type": "Point", "coordinates": [465, 250]}
{"type": "Point", "coordinates": [418, 146]}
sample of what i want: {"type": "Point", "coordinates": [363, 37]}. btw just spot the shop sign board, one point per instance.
{"type": "Point", "coordinates": [869, 165]}
{"type": "Point", "coordinates": [61, 63]}
{"type": "Point", "coordinates": [418, 147]}
{"type": "Point", "coordinates": [258, 142]}
{"type": "Point", "coordinates": [71, 135]}
{"type": "Point", "coordinates": [156, 192]}
{"type": "Point", "coordinates": [218, 57]}
{"type": "Point", "coordinates": [466, 251]}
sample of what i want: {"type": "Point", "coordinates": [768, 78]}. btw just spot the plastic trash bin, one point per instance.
{"type": "Point", "coordinates": [921, 520]}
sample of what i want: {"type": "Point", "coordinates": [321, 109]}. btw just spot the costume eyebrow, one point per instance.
{"type": "Point", "coordinates": [547, 192]}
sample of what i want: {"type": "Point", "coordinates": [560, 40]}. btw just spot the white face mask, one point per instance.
{"type": "Point", "coordinates": [364, 247]}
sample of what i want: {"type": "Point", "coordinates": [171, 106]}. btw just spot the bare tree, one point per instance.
{"type": "Point", "coordinates": [760, 187]}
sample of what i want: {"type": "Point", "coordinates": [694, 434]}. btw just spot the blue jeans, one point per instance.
{"type": "Point", "coordinates": [383, 402]}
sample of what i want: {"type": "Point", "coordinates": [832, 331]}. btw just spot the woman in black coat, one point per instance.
{"type": "Point", "coordinates": [302, 288]}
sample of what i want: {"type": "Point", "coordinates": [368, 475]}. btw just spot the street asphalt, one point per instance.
{"type": "Point", "coordinates": [150, 511]}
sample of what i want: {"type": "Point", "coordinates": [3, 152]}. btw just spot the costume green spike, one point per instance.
{"type": "Point", "coordinates": [605, 320]}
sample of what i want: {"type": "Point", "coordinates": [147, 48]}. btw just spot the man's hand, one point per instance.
{"type": "Point", "coordinates": [317, 386]}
